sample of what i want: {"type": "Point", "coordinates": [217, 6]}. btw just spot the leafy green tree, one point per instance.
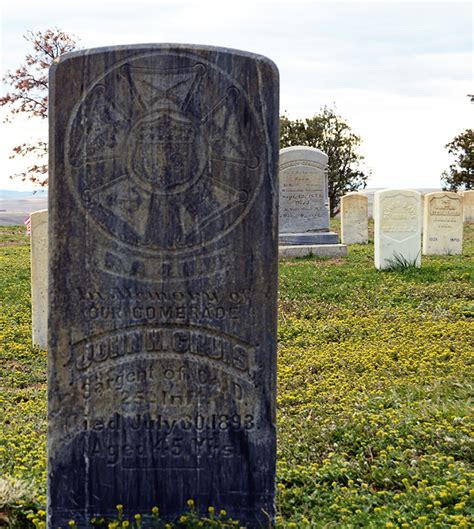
{"type": "Point", "coordinates": [28, 94]}
{"type": "Point", "coordinates": [331, 134]}
{"type": "Point", "coordinates": [461, 172]}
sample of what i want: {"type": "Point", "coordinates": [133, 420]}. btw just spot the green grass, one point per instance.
{"type": "Point", "coordinates": [374, 391]}
{"type": "Point", "coordinates": [15, 235]}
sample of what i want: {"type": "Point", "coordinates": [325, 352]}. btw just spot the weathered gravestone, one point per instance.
{"type": "Point", "coordinates": [443, 223]}
{"type": "Point", "coordinates": [304, 204]}
{"type": "Point", "coordinates": [163, 258]}
{"type": "Point", "coordinates": [39, 277]}
{"type": "Point", "coordinates": [468, 202]}
{"type": "Point", "coordinates": [397, 228]}
{"type": "Point", "coordinates": [354, 219]}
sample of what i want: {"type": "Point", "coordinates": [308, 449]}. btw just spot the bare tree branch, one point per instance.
{"type": "Point", "coordinates": [29, 93]}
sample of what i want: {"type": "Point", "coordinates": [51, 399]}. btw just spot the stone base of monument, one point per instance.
{"type": "Point", "coordinates": [316, 250]}
{"type": "Point", "coordinates": [308, 237]}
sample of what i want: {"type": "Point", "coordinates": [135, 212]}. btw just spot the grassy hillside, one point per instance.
{"type": "Point", "coordinates": [375, 382]}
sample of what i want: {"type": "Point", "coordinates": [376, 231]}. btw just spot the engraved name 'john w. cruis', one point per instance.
{"type": "Point", "coordinates": [204, 343]}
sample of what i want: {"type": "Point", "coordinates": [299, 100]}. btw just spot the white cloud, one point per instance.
{"type": "Point", "coordinates": [403, 137]}
{"type": "Point", "coordinates": [399, 72]}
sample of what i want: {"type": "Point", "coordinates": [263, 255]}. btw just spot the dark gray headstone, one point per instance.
{"type": "Point", "coordinates": [163, 259]}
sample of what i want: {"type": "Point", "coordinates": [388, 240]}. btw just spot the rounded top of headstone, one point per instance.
{"type": "Point", "coordinates": [39, 213]}
{"type": "Point", "coordinates": [165, 46]}
{"type": "Point", "coordinates": [393, 192]}
{"type": "Point", "coordinates": [438, 194]}
{"type": "Point", "coordinates": [302, 153]}
{"type": "Point", "coordinates": [354, 195]}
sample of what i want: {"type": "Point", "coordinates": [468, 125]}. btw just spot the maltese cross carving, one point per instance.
{"type": "Point", "coordinates": [165, 157]}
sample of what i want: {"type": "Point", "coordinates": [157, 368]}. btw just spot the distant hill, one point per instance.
{"type": "Point", "coordinates": [15, 206]}
{"type": "Point", "coordinates": [6, 194]}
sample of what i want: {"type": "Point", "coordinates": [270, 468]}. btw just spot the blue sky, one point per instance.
{"type": "Point", "coordinates": [398, 72]}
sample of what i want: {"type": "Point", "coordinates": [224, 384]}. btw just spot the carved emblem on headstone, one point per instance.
{"type": "Point", "coordinates": [188, 122]}
{"type": "Point", "coordinates": [399, 217]}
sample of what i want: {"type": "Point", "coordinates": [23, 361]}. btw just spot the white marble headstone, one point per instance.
{"type": "Point", "coordinates": [443, 223]}
{"type": "Point", "coordinates": [397, 227]}
{"type": "Point", "coordinates": [354, 219]}
{"type": "Point", "coordinates": [468, 201]}
{"type": "Point", "coordinates": [39, 277]}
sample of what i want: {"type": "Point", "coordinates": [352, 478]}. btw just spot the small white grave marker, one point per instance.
{"type": "Point", "coordinates": [443, 224]}
{"type": "Point", "coordinates": [468, 201]}
{"type": "Point", "coordinates": [397, 227]}
{"type": "Point", "coordinates": [354, 219]}
{"type": "Point", "coordinates": [39, 277]}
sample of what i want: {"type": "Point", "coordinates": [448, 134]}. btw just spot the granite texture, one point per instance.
{"type": "Point", "coordinates": [163, 259]}
{"type": "Point", "coordinates": [328, 237]}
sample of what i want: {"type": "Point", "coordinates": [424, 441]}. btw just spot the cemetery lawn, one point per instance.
{"type": "Point", "coordinates": [374, 391]}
